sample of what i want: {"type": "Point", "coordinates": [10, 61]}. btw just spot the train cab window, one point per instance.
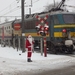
{"type": "Point", "coordinates": [5, 28]}
{"type": "Point", "coordinates": [9, 27]}
{"type": "Point", "coordinates": [69, 18]}
{"type": "Point", "coordinates": [55, 18]}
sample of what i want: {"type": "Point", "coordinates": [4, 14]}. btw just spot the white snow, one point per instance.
{"type": "Point", "coordinates": [13, 61]}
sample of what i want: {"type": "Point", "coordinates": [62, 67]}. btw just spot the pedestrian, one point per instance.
{"type": "Point", "coordinates": [29, 47]}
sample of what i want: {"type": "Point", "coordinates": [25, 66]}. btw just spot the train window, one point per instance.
{"type": "Point", "coordinates": [9, 27]}
{"type": "Point", "coordinates": [56, 21]}
{"type": "Point", "coordinates": [68, 18]}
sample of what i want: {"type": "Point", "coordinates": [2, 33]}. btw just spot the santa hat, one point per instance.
{"type": "Point", "coordinates": [29, 36]}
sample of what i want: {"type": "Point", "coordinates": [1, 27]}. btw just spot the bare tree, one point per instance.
{"type": "Point", "coordinates": [50, 6]}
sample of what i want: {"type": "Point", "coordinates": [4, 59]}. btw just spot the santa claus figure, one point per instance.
{"type": "Point", "coordinates": [29, 46]}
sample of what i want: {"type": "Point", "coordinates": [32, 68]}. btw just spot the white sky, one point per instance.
{"type": "Point", "coordinates": [37, 5]}
{"type": "Point", "coordinates": [12, 62]}
{"type": "Point", "coordinates": [10, 7]}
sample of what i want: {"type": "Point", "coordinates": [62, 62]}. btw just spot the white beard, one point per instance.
{"type": "Point", "coordinates": [30, 40]}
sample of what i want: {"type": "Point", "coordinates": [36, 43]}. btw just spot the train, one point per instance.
{"type": "Point", "coordinates": [60, 37]}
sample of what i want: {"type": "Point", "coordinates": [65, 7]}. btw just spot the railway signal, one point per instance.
{"type": "Point", "coordinates": [38, 27]}
{"type": "Point", "coordinates": [42, 29]}
{"type": "Point", "coordinates": [46, 28]}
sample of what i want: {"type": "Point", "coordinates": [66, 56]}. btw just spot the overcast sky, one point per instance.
{"type": "Point", "coordinates": [37, 5]}
{"type": "Point", "coordinates": [12, 8]}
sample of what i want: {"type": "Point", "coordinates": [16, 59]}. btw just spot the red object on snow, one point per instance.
{"type": "Point", "coordinates": [29, 46]}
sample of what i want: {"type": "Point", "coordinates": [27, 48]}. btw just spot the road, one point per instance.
{"type": "Point", "coordinates": [65, 71]}
{"type": "Point", "coordinates": [70, 70]}
{"type": "Point", "coordinates": [54, 65]}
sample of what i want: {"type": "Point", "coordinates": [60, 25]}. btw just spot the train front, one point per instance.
{"type": "Point", "coordinates": [63, 32]}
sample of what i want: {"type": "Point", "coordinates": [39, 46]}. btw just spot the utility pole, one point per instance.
{"type": "Point", "coordinates": [30, 11]}
{"type": "Point", "coordinates": [30, 8]}
{"type": "Point", "coordinates": [23, 33]}
{"type": "Point", "coordinates": [54, 3]}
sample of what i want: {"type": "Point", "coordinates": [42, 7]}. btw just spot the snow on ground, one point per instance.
{"type": "Point", "coordinates": [13, 61]}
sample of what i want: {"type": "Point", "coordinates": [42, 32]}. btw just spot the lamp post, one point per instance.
{"type": "Point", "coordinates": [23, 34]}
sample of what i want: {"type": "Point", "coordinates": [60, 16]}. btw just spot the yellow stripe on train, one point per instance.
{"type": "Point", "coordinates": [66, 26]}
{"type": "Point", "coordinates": [59, 34]}
{"type": "Point", "coordinates": [56, 34]}
{"type": "Point", "coordinates": [35, 34]}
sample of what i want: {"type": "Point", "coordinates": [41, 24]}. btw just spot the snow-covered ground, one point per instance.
{"type": "Point", "coordinates": [13, 61]}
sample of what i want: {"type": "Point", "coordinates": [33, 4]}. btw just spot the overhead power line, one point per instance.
{"type": "Point", "coordinates": [10, 16]}
{"type": "Point", "coordinates": [35, 1]}
{"type": "Point", "coordinates": [7, 7]}
{"type": "Point", "coordinates": [69, 6]}
{"type": "Point", "coordinates": [10, 11]}
{"type": "Point", "coordinates": [15, 8]}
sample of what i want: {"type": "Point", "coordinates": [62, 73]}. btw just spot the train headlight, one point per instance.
{"type": "Point", "coordinates": [64, 30]}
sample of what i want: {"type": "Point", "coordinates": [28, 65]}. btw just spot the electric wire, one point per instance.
{"type": "Point", "coordinates": [6, 7]}
{"type": "Point", "coordinates": [15, 8]}
{"type": "Point", "coordinates": [10, 11]}
{"type": "Point", "coordinates": [70, 6]}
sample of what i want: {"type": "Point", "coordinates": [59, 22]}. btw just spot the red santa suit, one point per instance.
{"type": "Point", "coordinates": [29, 46]}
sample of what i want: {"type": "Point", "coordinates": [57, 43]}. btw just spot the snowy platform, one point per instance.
{"type": "Point", "coordinates": [13, 61]}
